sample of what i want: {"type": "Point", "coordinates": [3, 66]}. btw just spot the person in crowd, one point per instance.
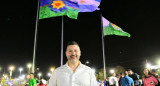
{"type": "Point", "coordinates": [113, 81]}
{"type": "Point", "coordinates": [32, 81]}
{"type": "Point", "coordinates": [27, 80]}
{"type": "Point", "coordinates": [154, 73]}
{"type": "Point", "coordinates": [99, 82]}
{"type": "Point", "coordinates": [41, 83]}
{"type": "Point", "coordinates": [106, 82]}
{"type": "Point", "coordinates": [73, 73]}
{"type": "Point", "coordinates": [148, 79]}
{"type": "Point", "coordinates": [134, 76]}
{"type": "Point", "coordinates": [126, 80]}
{"type": "Point", "coordinates": [102, 83]}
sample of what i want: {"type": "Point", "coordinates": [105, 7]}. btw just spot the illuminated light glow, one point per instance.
{"type": "Point", "coordinates": [58, 4]}
{"type": "Point", "coordinates": [112, 71]}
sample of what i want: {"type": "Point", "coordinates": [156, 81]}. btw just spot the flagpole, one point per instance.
{"type": "Point", "coordinates": [62, 43]}
{"type": "Point", "coordinates": [104, 61]}
{"type": "Point", "coordinates": [35, 38]}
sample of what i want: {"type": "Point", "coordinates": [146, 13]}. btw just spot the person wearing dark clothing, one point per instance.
{"type": "Point", "coordinates": [154, 73]}
{"type": "Point", "coordinates": [134, 76]}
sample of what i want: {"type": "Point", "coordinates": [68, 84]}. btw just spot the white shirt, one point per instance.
{"type": "Point", "coordinates": [113, 81]}
{"type": "Point", "coordinates": [64, 76]}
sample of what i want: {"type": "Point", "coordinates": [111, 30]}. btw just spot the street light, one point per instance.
{"type": "Point", "coordinates": [111, 71]}
{"type": "Point", "coordinates": [52, 69]}
{"type": "Point", "coordinates": [11, 68]}
{"type": "Point", "coordinates": [87, 62]}
{"type": "Point", "coordinates": [20, 70]}
{"type": "Point", "coordinates": [49, 74]}
{"type": "Point", "coordinates": [29, 66]}
{"type": "Point", "coordinates": [39, 74]}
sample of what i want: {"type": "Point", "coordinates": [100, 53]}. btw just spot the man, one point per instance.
{"type": "Point", "coordinates": [134, 76]}
{"type": "Point", "coordinates": [113, 81]}
{"type": "Point", "coordinates": [27, 80]}
{"type": "Point", "coordinates": [32, 81]}
{"type": "Point", "coordinates": [126, 80]}
{"type": "Point", "coordinates": [73, 73]}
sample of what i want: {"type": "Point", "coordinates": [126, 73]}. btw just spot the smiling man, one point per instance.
{"type": "Point", "coordinates": [73, 73]}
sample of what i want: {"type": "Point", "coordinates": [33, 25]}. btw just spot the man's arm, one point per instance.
{"type": "Point", "coordinates": [53, 80]}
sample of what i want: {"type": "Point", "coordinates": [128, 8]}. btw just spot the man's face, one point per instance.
{"type": "Point", "coordinates": [31, 76]}
{"type": "Point", "coordinates": [28, 76]}
{"type": "Point", "coordinates": [114, 74]}
{"type": "Point", "coordinates": [73, 53]}
{"type": "Point", "coordinates": [129, 72]}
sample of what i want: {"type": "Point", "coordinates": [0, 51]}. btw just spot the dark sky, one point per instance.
{"type": "Point", "coordinates": [139, 18]}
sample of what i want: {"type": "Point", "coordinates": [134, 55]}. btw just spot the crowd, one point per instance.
{"type": "Point", "coordinates": [74, 73]}
{"type": "Point", "coordinates": [129, 78]}
{"type": "Point", "coordinates": [31, 81]}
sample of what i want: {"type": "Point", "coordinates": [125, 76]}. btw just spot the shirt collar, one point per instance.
{"type": "Point", "coordinates": [80, 65]}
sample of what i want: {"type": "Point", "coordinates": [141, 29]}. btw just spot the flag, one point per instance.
{"type": "Point", "coordinates": [53, 8]}
{"type": "Point", "coordinates": [88, 5]}
{"type": "Point", "coordinates": [112, 29]}
{"type": "Point", "coordinates": [71, 8]}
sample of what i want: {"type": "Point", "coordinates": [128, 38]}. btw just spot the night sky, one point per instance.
{"type": "Point", "coordinates": [139, 18]}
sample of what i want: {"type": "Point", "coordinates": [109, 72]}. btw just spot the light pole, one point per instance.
{"type": "Point", "coordinates": [20, 70]}
{"type": "Point", "coordinates": [29, 67]}
{"type": "Point", "coordinates": [0, 70]}
{"type": "Point", "coordinates": [11, 69]}
{"type": "Point", "coordinates": [39, 74]}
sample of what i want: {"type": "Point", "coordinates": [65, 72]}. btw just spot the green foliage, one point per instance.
{"type": "Point", "coordinates": [100, 73]}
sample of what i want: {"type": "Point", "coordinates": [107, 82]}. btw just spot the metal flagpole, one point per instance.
{"type": "Point", "coordinates": [35, 38]}
{"type": "Point", "coordinates": [104, 61]}
{"type": "Point", "coordinates": [62, 43]}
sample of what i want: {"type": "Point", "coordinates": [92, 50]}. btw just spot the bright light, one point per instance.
{"type": "Point", "coordinates": [159, 62]}
{"type": "Point", "coordinates": [11, 68]}
{"type": "Point", "coordinates": [87, 62]}
{"type": "Point", "coordinates": [148, 66]}
{"type": "Point", "coordinates": [20, 69]}
{"type": "Point", "coordinates": [29, 65]}
{"type": "Point", "coordinates": [39, 74]}
{"type": "Point", "coordinates": [52, 69]}
{"type": "Point", "coordinates": [49, 74]}
{"type": "Point", "coordinates": [111, 71]}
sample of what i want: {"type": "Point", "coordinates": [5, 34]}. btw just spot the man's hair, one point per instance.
{"type": "Point", "coordinates": [129, 70]}
{"type": "Point", "coordinates": [121, 73]}
{"type": "Point", "coordinates": [32, 73]}
{"type": "Point", "coordinates": [72, 43]}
